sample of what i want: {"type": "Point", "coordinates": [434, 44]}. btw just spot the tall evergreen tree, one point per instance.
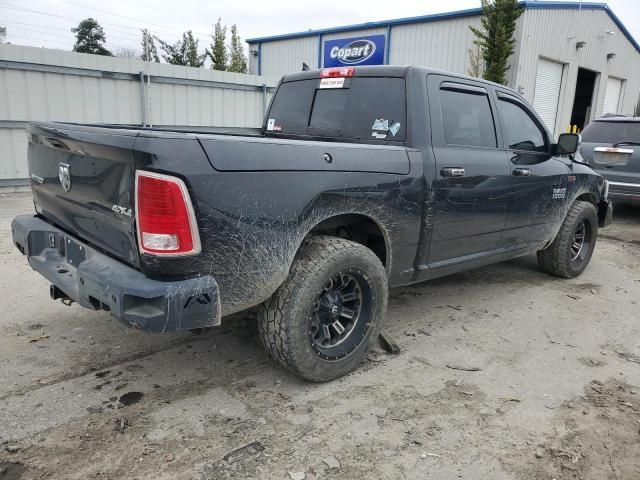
{"type": "Point", "coordinates": [183, 52]}
{"type": "Point", "coordinates": [218, 52]}
{"type": "Point", "coordinates": [3, 34]}
{"type": "Point", "coordinates": [194, 59]}
{"type": "Point", "coordinates": [495, 39]}
{"type": "Point", "coordinates": [149, 49]}
{"type": "Point", "coordinates": [475, 62]}
{"type": "Point", "coordinates": [90, 38]}
{"type": "Point", "coordinates": [126, 52]}
{"type": "Point", "coordinates": [237, 60]}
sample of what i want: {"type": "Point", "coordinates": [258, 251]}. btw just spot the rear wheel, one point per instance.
{"type": "Point", "coordinates": [571, 250]}
{"type": "Point", "coordinates": [321, 322]}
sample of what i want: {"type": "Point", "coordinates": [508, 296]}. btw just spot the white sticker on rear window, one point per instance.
{"type": "Point", "coordinates": [380, 124]}
{"type": "Point", "coordinates": [379, 135]}
{"type": "Point", "coordinates": [393, 129]}
{"type": "Point", "coordinates": [270, 123]}
{"type": "Point", "coordinates": [332, 82]}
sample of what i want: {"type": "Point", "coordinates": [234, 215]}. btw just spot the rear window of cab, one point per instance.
{"type": "Point", "coordinates": [359, 108]}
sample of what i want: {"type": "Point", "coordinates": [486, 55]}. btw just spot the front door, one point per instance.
{"type": "Point", "coordinates": [538, 178]}
{"type": "Point", "coordinates": [472, 175]}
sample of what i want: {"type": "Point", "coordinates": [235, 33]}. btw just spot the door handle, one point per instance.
{"type": "Point", "coordinates": [522, 172]}
{"type": "Point", "coordinates": [452, 172]}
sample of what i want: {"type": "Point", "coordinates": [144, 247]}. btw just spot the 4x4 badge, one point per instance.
{"type": "Point", "coordinates": [64, 174]}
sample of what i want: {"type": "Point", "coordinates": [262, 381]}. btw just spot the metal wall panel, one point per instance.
{"type": "Point", "coordinates": [13, 154]}
{"type": "Point", "coordinates": [443, 45]}
{"type": "Point", "coordinates": [552, 34]}
{"type": "Point", "coordinates": [286, 56]}
{"type": "Point", "coordinates": [52, 85]}
{"type": "Point", "coordinates": [354, 33]}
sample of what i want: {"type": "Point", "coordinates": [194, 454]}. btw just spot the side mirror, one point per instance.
{"type": "Point", "coordinates": [568, 144]}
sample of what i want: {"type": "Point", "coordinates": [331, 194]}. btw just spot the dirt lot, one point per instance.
{"type": "Point", "coordinates": [555, 392]}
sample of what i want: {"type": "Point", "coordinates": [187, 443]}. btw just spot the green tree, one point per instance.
{"type": "Point", "coordinates": [126, 52]}
{"type": "Point", "coordinates": [149, 49]}
{"type": "Point", "coordinates": [237, 60]}
{"type": "Point", "coordinates": [183, 52]}
{"type": "Point", "coordinates": [475, 62]}
{"type": "Point", "coordinates": [194, 59]}
{"type": "Point", "coordinates": [3, 34]}
{"type": "Point", "coordinates": [90, 38]}
{"type": "Point", "coordinates": [218, 52]}
{"type": "Point", "coordinates": [495, 39]}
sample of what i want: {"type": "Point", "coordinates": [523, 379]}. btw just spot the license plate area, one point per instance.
{"type": "Point", "coordinates": [610, 156]}
{"type": "Point", "coordinates": [67, 248]}
{"type": "Point", "coordinates": [72, 251]}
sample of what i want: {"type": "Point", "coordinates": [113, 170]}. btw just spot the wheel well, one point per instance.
{"type": "Point", "coordinates": [587, 197]}
{"type": "Point", "coordinates": [357, 228]}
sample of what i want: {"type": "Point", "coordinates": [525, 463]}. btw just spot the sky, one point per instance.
{"type": "Point", "coordinates": [47, 23]}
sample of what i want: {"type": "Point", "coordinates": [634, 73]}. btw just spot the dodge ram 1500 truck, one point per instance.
{"type": "Point", "coordinates": [360, 179]}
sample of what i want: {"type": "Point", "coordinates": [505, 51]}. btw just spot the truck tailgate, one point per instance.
{"type": "Point", "coordinates": [82, 180]}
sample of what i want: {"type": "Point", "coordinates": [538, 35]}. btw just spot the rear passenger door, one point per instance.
{"type": "Point", "coordinates": [538, 178]}
{"type": "Point", "coordinates": [472, 183]}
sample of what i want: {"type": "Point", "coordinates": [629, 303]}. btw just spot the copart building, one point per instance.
{"type": "Point", "coordinates": [572, 61]}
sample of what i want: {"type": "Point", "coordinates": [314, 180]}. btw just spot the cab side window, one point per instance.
{"type": "Point", "coordinates": [466, 117]}
{"type": "Point", "coordinates": [521, 131]}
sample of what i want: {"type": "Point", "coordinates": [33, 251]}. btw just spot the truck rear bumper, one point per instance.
{"type": "Point", "coordinates": [96, 281]}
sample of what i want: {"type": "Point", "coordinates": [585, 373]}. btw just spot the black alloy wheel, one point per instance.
{"type": "Point", "coordinates": [341, 315]}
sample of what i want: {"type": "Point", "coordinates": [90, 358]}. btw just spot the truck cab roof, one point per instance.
{"type": "Point", "coordinates": [397, 71]}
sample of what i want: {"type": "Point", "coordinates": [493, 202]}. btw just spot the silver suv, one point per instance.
{"type": "Point", "coordinates": [611, 145]}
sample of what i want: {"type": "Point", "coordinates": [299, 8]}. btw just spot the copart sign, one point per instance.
{"type": "Point", "coordinates": [367, 50]}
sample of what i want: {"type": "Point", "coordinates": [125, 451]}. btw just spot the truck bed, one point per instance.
{"type": "Point", "coordinates": [220, 168]}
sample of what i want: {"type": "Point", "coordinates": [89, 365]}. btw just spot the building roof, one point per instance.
{"type": "Point", "coordinates": [470, 12]}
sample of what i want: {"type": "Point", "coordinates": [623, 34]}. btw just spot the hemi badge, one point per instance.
{"type": "Point", "coordinates": [571, 178]}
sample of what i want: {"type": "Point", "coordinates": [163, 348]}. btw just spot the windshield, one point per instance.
{"type": "Point", "coordinates": [611, 132]}
{"type": "Point", "coordinates": [361, 108]}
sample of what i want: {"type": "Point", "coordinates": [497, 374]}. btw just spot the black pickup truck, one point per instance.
{"type": "Point", "coordinates": [360, 179]}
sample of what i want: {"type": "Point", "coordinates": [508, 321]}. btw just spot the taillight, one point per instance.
{"type": "Point", "coordinates": [337, 72]}
{"type": "Point", "coordinates": [164, 216]}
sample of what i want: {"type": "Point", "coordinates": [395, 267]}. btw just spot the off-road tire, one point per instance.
{"type": "Point", "coordinates": [557, 259]}
{"type": "Point", "coordinates": [285, 320]}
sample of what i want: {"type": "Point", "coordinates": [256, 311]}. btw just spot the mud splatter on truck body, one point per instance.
{"type": "Point", "coordinates": [358, 153]}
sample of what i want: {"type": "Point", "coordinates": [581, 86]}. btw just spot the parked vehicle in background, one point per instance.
{"type": "Point", "coordinates": [611, 145]}
{"type": "Point", "coordinates": [361, 178]}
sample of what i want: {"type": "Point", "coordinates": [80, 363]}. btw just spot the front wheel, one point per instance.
{"type": "Point", "coordinates": [571, 250]}
{"type": "Point", "coordinates": [321, 322]}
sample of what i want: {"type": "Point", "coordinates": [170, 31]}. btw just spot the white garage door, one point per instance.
{"type": "Point", "coordinates": [547, 93]}
{"type": "Point", "coordinates": [612, 95]}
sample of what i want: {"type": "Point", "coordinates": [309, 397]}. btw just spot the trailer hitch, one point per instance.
{"type": "Point", "coordinates": [55, 293]}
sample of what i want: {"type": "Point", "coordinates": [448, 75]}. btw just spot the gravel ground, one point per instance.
{"type": "Point", "coordinates": [555, 391]}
